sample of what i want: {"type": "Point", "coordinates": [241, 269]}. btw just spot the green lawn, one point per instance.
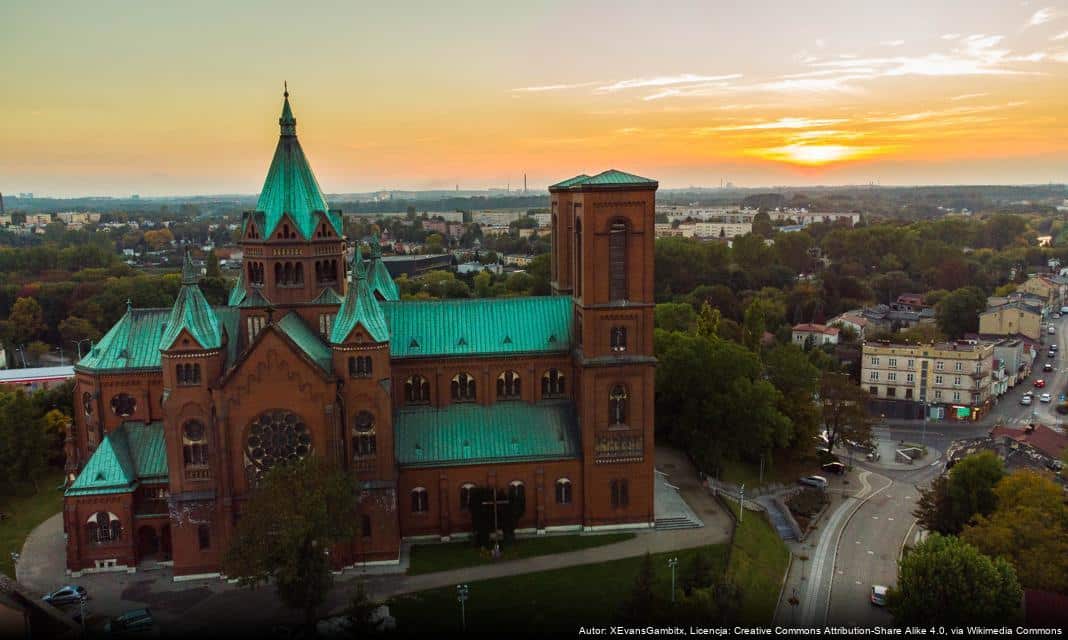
{"type": "Point", "coordinates": [757, 565]}
{"type": "Point", "coordinates": [547, 601]}
{"type": "Point", "coordinates": [24, 512]}
{"type": "Point", "coordinates": [784, 471]}
{"type": "Point", "coordinates": [430, 558]}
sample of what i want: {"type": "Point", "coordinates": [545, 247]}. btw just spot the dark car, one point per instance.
{"type": "Point", "coordinates": [69, 594]}
{"type": "Point", "coordinates": [834, 467]}
{"type": "Point", "coordinates": [131, 622]}
{"type": "Point", "coordinates": [1047, 367]}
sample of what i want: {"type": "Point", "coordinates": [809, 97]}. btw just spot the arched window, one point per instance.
{"type": "Point", "coordinates": [508, 386]}
{"type": "Point", "coordinates": [318, 271]}
{"type": "Point", "coordinates": [617, 405]}
{"type": "Point", "coordinates": [552, 384]}
{"type": "Point", "coordinates": [617, 261]}
{"type": "Point", "coordinates": [278, 273]}
{"type": "Point", "coordinates": [194, 444]}
{"type": "Point", "coordinates": [252, 272]}
{"type": "Point", "coordinates": [619, 339]}
{"type": "Point", "coordinates": [188, 373]}
{"type": "Point", "coordinates": [87, 403]}
{"type": "Point", "coordinates": [620, 493]}
{"type": "Point", "coordinates": [204, 536]}
{"type": "Point", "coordinates": [360, 366]}
{"type": "Point", "coordinates": [419, 500]}
{"type": "Point", "coordinates": [365, 526]}
{"type": "Point", "coordinates": [577, 284]}
{"type": "Point", "coordinates": [517, 492]}
{"type": "Point", "coordinates": [103, 526]}
{"type": "Point", "coordinates": [364, 444]}
{"type": "Point", "coordinates": [465, 496]}
{"type": "Point", "coordinates": [563, 491]}
{"type": "Point", "coordinates": [287, 273]}
{"type": "Point", "coordinates": [463, 387]}
{"type": "Point", "coordinates": [123, 404]}
{"type": "Point", "coordinates": [416, 390]}
{"type": "Point", "coordinates": [298, 273]}
{"type": "Point", "coordinates": [555, 249]}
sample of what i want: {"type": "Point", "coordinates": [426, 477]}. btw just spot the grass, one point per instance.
{"type": "Point", "coordinates": [548, 601]}
{"type": "Point", "coordinates": [785, 471]}
{"type": "Point", "coordinates": [431, 558]}
{"type": "Point", "coordinates": [757, 565]}
{"type": "Point", "coordinates": [24, 512]}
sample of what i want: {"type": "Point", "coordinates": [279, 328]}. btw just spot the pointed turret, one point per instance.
{"type": "Point", "coordinates": [191, 313]}
{"type": "Point", "coordinates": [291, 188]}
{"type": "Point", "coordinates": [359, 308]}
{"type": "Point", "coordinates": [381, 282]}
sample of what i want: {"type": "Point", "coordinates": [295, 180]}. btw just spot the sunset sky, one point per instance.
{"type": "Point", "coordinates": [114, 98]}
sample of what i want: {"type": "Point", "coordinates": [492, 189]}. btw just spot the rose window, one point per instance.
{"type": "Point", "coordinates": [276, 437]}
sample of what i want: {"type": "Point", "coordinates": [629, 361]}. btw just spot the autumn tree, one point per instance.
{"type": "Point", "coordinates": [843, 410]}
{"type": "Point", "coordinates": [25, 323]}
{"type": "Point", "coordinates": [947, 505]}
{"type": "Point", "coordinates": [1029, 527]}
{"type": "Point", "coordinates": [944, 580]}
{"type": "Point", "coordinates": [23, 442]}
{"type": "Point", "coordinates": [958, 312]}
{"type": "Point", "coordinates": [287, 526]}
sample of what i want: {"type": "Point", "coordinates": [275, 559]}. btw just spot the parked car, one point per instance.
{"type": "Point", "coordinates": [1053, 348]}
{"type": "Point", "coordinates": [1054, 465]}
{"type": "Point", "coordinates": [1056, 316]}
{"type": "Point", "coordinates": [69, 594]}
{"type": "Point", "coordinates": [878, 595]}
{"type": "Point", "coordinates": [1044, 398]}
{"type": "Point", "coordinates": [1040, 383]}
{"type": "Point", "coordinates": [834, 467]}
{"type": "Point", "coordinates": [1047, 367]}
{"type": "Point", "coordinates": [134, 621]}
{"type": "Point", "coordinates": [1064, 309]}
{"type": "Point", "coordinates": [1051, 354]}
{"type": "Point", "coordinates": [1025, 400]}
{"type": "Point", "coordinates": [1051, 330]}
{"type": "Point", "coordinates": [814, 481]}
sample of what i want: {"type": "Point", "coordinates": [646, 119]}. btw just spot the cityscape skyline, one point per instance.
{"type": "Point", "coordinates": [166, 103]}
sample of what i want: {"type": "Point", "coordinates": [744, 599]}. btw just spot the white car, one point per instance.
{"type": "Point", "coordinates": [1052, 330]}
{"type": "Point", "coordinates": [878, 595]}
{"type": "Point", "coordinates": [1044, 398]}
{"type": "Point", "coordinates": [1025, 400]}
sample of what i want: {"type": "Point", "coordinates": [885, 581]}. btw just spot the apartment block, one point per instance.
{"type": "Point", "coordinates": [952, 380]}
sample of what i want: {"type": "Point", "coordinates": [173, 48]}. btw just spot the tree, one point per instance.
{"type": "Point", "coordinates": [798, 380]}
{"type": "Point", "coordinates": [708, 321]}
{"type": "Point", "coordinates": [74, 329]}
{"type": "Point", "coordinates": [945, 581]}
{"type": "Point", "coordinates": [958, 312]}
{"type": "Point", "coordinates": [762, 225]}
{"type": "Point", "coordinates": [25, 322]}
{"type": "Point", "coordinates": [671, 316]}
{"type": "Point", "coordinates": [318, 504]}
{"type": "Point", "coordinates": [949, 504]}
{"type": "Point", "coordinates": [843, 410]}
{"type": "Point", "coordinates": [212, 268]}
{"type": "Point", "coordinates": [1029, 528]}
{"type": "Point", "coordinates": [643, 605]}
{"type": "Point", "coordinates": [483, 284]}
{"type": "Point", "coordinates": [23, 441]}
{"type": "Point", "coordinates": [158, 238]}
{"type": "Point", "coordinates": [434, 243]}
{"type": "Point", "coordinates": [699, 574]}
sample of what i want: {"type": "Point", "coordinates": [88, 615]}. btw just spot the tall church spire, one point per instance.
{"type": "Point", "coordinates": [287, 122]}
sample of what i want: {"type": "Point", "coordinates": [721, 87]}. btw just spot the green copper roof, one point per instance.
{"type": "Point", "coordinates": [612, 177]}
{"type": "Point", "coordinates": [327, 296]}
{"type": "Point", "coordinates": [486, 326]}
{"type": "Point", "coordinates": [254, 298]}
{"type": "Point", "coordinates": [192, 313]}
{"type": "Point", "coordinates": [309, 342]}
{"type": "Point", "coordinates": [291, 187]}
{"type": "Point", "coordinates": [570, 181]}
{"type": "Point", "coordinates": [237, 294]}
{"type": "Point", "coordinates": [381, 282]}
{"type": "Point", "coordinates": [360, 307]}
{"type": "Point", "coordinates": [135, 451]}
{"type": "Point", "coordinates": [132, 343]}
{"type": "Point", "coordinates": [503, 432]}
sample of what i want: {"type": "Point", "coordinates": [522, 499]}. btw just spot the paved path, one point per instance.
{"type": "Point", "coordinates": [185, 607]}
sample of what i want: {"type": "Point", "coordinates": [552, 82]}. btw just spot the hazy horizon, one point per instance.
{"type": "Point", "coordinates": [175, 101]}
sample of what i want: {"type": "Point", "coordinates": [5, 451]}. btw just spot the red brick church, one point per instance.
{"type": "Point", "coordinates": [547, 399]}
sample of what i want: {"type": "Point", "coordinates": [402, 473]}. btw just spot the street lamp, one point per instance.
{"type": "Point", "coordinates": [673, 563]}
{"type": "Point", "coordinates": [741, 502]}
{"type": "Point", "coordinates": [461, 597]}
{"type": "Point", "coordinates": [78, 345]}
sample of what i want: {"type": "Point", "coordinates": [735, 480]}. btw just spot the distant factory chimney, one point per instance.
{"type": "Point", "coordinates": [524, 184]}
{"type": "Point", "coordinates": [1, 204]}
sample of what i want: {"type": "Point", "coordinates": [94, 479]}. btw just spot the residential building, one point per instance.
{"type": "Point", "coordinates": [1011, 319]}
{"type": "Point", "coordinates": [954, 379]}
{"type": "Point", "coordinates": [1050, 289]}
{"type": "Point", "coordinates": [910, 302]}
{"type": "Point", "coordinates": [545, 401]}
{"type": "Point", "coordinates": [814, 334]}
{"type": "Point", "coordinates": [855, 321]}
{"type": "Point", "coordinates": [1017, 356]}
{"type": "Point", "coordinates": [38, 219]}
{"type": "Point", "coordinates": [883, 318]}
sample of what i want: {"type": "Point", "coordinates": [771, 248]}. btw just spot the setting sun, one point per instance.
{"type": "Point", "coordinates": [814, 154]}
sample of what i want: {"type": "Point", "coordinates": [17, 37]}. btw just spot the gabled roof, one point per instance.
{"type": "Point", "coordinates": [134, 452]}
{"type": "Point", "coordinates": [327, 297]}
{"type": "Point", "coordinates": [237, 294]}
{"type": "Point", "coordinates": [610, 178]}
{"type": "Point", "coordinates": [191, 313]}
{"type": "Point", "coordinates": [505, 432]}
{"type": "Point", "coordinates": [290, 187]}
{"type": "Point", "coordinates": [307, 340]}
{"type": "Point", "coordinates": [254, 299]}
{"type": "Point", "coordinates": [485, 326]}
{"type": "Point", "coordinates": [360, 308]}
{"type": "Point", "coordinates": [131, 344]}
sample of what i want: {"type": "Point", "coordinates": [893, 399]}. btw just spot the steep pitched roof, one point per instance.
{"type": "Point", "coordinates": [486, 326]}
{"type": "Point", "coordinates": [237, 294]}
{"type": "Point", "coordinates": [327, 296]}
{"type": "Point", "coordinates": [471, 433]}
{"type": "Point", "coordinates": [307, 340]}
{"type": "Point", "coordinates": [380, 281]}
{"type": "Point", "coordinates": [134, 452]}
{"type": "Point", "coordinates": [191, 313]}
{"type": "Point", "coordinates": [360, 307]}
{"type": "Point", "coordinates": [131, 344]}
{"type": "Point", "coordinates": [291, 188]}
